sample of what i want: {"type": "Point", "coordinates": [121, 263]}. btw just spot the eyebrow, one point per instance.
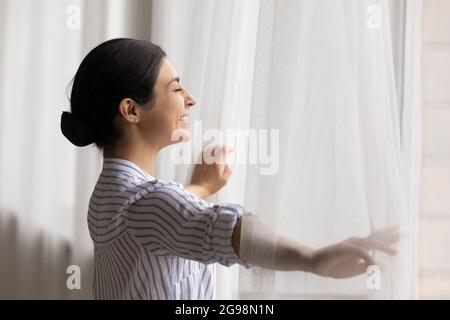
{"type": "Point", "coordinates": [177, 79]}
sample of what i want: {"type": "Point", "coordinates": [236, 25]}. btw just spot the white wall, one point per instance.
{"type": "Point", "coordinates": [434, 253]}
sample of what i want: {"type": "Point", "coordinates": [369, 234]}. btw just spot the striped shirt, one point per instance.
{"type": "Point", "coordinates": [153, 239]}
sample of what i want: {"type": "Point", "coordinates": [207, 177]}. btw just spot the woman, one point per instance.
{"type": "Point", "coordinates": [156, 239]}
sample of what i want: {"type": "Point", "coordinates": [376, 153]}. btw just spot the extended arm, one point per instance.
{"type": "Point", "coordinates": [259, 245]}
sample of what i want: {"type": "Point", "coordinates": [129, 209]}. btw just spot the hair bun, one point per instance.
{"type": "Point", "coordinates": [76, 130]}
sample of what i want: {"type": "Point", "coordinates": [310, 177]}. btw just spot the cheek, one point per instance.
{"type": "Point", "coordinates": [156, 122]}
{"type": "Point", "coordinates": [164, 119]}
{"type": "Point", "coordinates": [175, 108]}
{"type": "Point", "coordinates": [168, 119]}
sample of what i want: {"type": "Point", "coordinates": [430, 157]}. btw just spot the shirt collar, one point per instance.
{"type": "Point", "coordinates": [126, 166]}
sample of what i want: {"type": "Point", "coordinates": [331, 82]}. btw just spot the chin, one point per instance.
{"type": "Point", "coordinates": [180, 135]}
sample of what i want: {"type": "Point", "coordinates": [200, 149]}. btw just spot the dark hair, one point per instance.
{"type": "Point", "coordinates": [114, 70]}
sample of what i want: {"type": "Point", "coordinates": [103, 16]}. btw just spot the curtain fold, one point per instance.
{"type": "Point", "coordinates": [212, 45]}
{"type": "Point", "coordinates": [45, 183]}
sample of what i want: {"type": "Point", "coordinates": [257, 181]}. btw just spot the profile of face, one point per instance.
{"type": "Point", "coordinates": [166, 121]}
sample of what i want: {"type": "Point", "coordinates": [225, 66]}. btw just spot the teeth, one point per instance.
{"type": "Point", "coordinates": [184, 118]}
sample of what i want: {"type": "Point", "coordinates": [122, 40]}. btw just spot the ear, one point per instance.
{"type": "Point", "coordinates": [129, 110]}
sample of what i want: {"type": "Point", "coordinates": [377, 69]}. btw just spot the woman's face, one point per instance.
{"type": "Point", "coordinates": [167, 121]}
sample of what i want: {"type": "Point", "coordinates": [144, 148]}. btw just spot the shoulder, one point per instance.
{"type": "Point", "coordinates": [169, 193]}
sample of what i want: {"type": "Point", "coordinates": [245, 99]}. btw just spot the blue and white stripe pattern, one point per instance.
{"type": "Point", "coordinates": [155, 240]}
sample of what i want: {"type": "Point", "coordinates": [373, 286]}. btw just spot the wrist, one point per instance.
{"type": "Point", "coordinates": [199, 190]}
{"type": "Point", "coordinates": [301, 257]}
{"type": "Point", "coordinates": [310, 260]}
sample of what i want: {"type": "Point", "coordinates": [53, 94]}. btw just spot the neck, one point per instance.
{"type": "Point", "coordinates": [141, 155]}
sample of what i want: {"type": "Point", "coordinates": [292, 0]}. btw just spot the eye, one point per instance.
{"type": "Point", "coordinates": [178, 90]}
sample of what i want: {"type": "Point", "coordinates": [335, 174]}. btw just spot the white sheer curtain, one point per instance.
{"type": "Point", "coordinates": [334, 77]}
{"type": "Point", "coordinates": [344, 169]}
{"type": "Point", "coordinates": [212, 44]}
{"type": "Point", "coordinates": [342, 96]}
{"type": "Point", "coordinates": [45, 183]}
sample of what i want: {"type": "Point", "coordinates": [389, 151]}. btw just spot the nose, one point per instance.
{"type": "Point", "coordinates": [190, 100]}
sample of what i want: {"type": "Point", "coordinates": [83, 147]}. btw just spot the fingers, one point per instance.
{"type": "Point", "coordinates": [220, 153]}
{"type": "Point", "coordinates": [370, 243]}
{"type": "Point", "coordinates": [388, 235]}
{"type": "Point", "coordinates": [220, 159]}
{"type": "Point", "coordinates": [227, 149]}
{"type": "Point", "coordinates": [381, 240]}
{"type": "Point", "coordinates": [373, 244]}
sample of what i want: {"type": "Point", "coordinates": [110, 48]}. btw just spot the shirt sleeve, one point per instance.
{"type": "Point", "coordinates": [172, 221]}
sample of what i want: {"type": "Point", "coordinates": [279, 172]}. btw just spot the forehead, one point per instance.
{"type": "Point", "coordinates": [167, 71]}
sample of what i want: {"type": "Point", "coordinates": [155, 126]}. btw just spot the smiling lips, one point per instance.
{"type": "Point", "coordinates": [184, 118]}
